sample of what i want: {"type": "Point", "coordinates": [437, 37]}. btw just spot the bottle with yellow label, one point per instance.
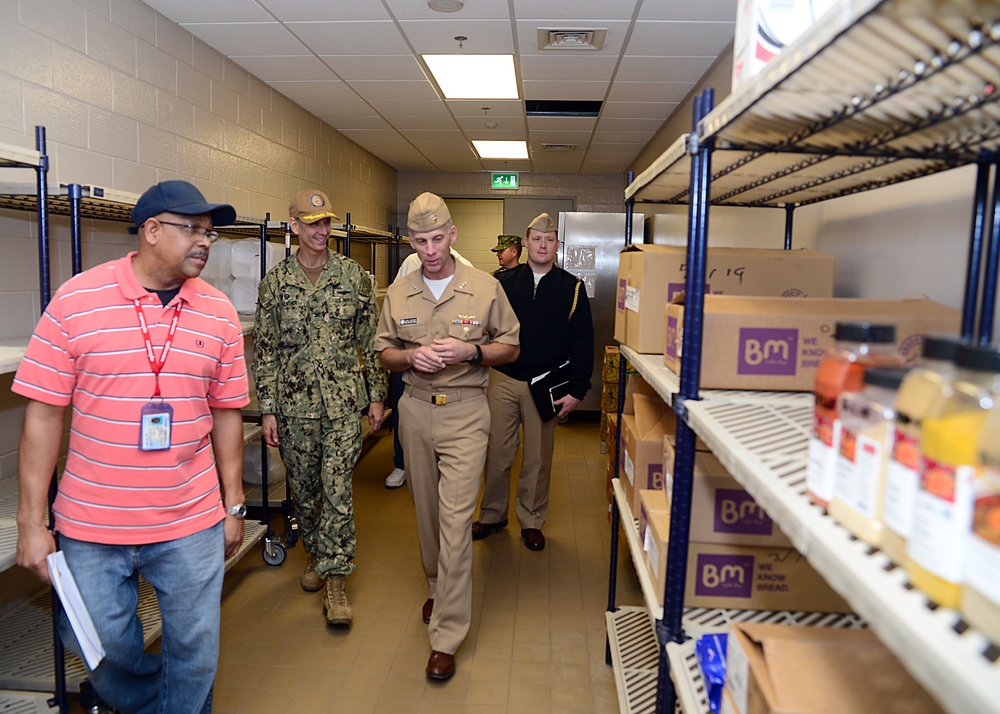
{"type": "Point", "coordinates": [866, 419]}
{"type": "Point", "coordinates": [981, 594]}
{"type": "Point", "coordinates": [842, 369]}
{"type": "Point", "coordinates": [923, 390]}
{"type": "Point", "coordinates": [949, 445]}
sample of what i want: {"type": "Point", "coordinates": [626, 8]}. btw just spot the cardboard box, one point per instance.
{"type": "Point", "coordinates": [721, 510]}
{"type": "Point", "coordinates": [649, 276]}
{"type": "Point", "coordinates": [643, 433]}
{"type": "Point", "coordinates": [650, 502]}
{"type": "Point", "coordinates": [765, 27]}
{"type": "Point", "coordinates": [768, 343]}
{"type": "Point", "coordinates": [740, 577]}
{"type": "Point", "coordinates": [782, 669]}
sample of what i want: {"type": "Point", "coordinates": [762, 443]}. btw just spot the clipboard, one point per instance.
{"type": "Point", "coordinates": [547, 387]}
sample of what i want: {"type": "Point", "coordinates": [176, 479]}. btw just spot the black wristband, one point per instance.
{"type": "Point", "coordinates": [475, 360]}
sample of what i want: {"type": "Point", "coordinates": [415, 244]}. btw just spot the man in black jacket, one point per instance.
{"type": "Point", "coordinates": [556, 326]}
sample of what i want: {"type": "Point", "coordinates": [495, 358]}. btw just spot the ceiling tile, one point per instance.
{"type": "Point", "coordinates": [681, 39]}
{"type": "Point", "coordinates": [586, 9]}
{"type": "Point", "coordinates": [418, 10]}
{"type": "Point", "coordinates": [216, 11]}
{"type": "Point", "coordinates": [583, 91]}
{"type": "Point", "coordinates": [411, 108]}
{"type": "Point", "coordinates": [319, 90]}
{"type": "Point", "coordinates": [642, 110]}
{"type": "Point", "coordinates": [333, 108]}
{"type": "Point", "coordinates": [629, 124]}
{"type": "Point", "coordinates": [493, 108]}
{"type": "Point", "coordinates": [583, 67]}
{"type": "Point", "coordinates": [391, 90]}
{"type": "Point", "coordinates": [273, 69]}
{"type": "Point", "coordinates": [649, 91]}
{"type": "Point", "coordinates": [321, 10]}
{"type": "Point", "coordinates": [350, 38]}
{"type": "Point", "coordinates": [485, 37]}
{"type": "Point", "coordinates": [375, 67]}
{"type": "Point", "coordinates": [248, 38]}
{"type": "Point", "coordinates": [711, 10]}
{"type": "Point", "coordinates": [663, 69]}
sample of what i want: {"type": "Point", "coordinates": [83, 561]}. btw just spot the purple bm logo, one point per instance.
{"type": "Point", "coordinates": [737, 512]}
{"type": "Point", "coordinates": [622, 284]}
{"type": "Point", "coordinates": [724, 576]}
{"type": "Point", "coordinates": [768, 350]}
{"type": "Point", "coordinates": [672, 336]}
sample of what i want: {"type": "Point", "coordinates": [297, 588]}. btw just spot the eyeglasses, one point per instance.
{"type": "Point", "coordinates": [192, 231]}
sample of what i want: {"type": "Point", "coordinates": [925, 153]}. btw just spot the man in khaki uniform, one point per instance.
{"type": "Point", "coordinates": [443, 328]}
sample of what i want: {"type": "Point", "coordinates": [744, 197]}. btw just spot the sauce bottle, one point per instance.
{"type": "Point", "coordinates": [981, 593]}
{"type": "Point", "coordinates": [858, 344]}
{"type": "Point", "coordinates": [949, 445]}
{"type": "Point", "coordinates": [867, 432]}
{"type": "Point", "coordinates": [921, 393]}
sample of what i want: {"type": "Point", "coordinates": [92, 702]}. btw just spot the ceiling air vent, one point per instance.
{"type": "Point", "coordinates": [558, 147]}
{"type": "Point", "coordinates": [571, 39]}
{"type": "Point", "coordinates": [561, 108]}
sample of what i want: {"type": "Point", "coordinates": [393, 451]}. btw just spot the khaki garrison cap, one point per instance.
{"type": "Point", "coordinates": [310, 206]}
{"type": "Point", "coordinates": [505, 241]}
{"type": "Point", "coordinates": [427, 212]}
{"type": "Point", "coordinates": [544, 223]}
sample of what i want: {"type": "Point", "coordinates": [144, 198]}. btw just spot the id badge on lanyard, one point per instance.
{"type": "Point", "coordinates": [157, 417]}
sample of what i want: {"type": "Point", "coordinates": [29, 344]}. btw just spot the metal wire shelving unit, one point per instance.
{"type": "Point", "coordinates": [877, 93]}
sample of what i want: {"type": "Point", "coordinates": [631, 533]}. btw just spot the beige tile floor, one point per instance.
{"type": "Point", "coordinates": [537, 642]}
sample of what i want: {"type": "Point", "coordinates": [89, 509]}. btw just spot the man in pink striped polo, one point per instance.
{"type": "Point", "coordinates": [150, 357]}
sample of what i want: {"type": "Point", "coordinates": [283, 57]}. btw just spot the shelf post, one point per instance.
{"type": "Point", "coordinates": [789, 213]}
{"type": "Point", "coordinates": [987, 306]}
{"type": "Point", "coordinates": [42, 185]}
{"type": "Point", "coordinates": [75, 192]}
{"type": "Point", "coordinates": [347, 238]}
{"type": "Point", "coordinates": [975, 250]}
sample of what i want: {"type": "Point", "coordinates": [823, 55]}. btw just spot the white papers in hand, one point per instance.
{"type": "Point", "coordinates": [76, 610]}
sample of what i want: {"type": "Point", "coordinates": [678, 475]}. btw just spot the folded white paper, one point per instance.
{"type": "Point", "coordinates": [76, 610]}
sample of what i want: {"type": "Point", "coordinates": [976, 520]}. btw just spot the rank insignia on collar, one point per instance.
{"type": "Point", "coordinates": [466, 320]}
{"type": "Point", "coordinates": [408, 321]}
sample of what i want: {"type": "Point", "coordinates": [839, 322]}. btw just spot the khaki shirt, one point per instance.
{"type": "Point", "coordinates": [313, 344]}
{"type": "Point", "coordinates": [473, 308]}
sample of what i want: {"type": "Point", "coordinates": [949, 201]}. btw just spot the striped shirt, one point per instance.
{"type": "Point", "coordinates": [88, 351]}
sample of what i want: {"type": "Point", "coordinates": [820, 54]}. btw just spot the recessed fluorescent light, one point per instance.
{"type": "Point", "coordinates": [501, 149]}
{"type": "Point", "coordinates": [474, 76]}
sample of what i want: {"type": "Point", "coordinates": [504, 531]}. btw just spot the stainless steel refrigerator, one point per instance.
{"type": "Point", "coordinates": [590, 244]}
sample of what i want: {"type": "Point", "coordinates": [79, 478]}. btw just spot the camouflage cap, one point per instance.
{"type": "Point", "coordinates": [544, 223]}
{"type": "Point", "coordinates": [427, 212]}
{"type": "Point", "coordinates": [505, 241]}
{"type": "Point", "coordinates": [310, 206]}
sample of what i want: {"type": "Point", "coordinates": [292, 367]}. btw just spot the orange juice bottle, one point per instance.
{"type": "Point", "coordinates": [981, 593]}
{"type": "Point", "coordinates": [866, 419]}
{"type": "Point", "coordinates": [923, 390]}
{"type": "Point", "coordinates": [949, 445]}
{"type": "Point", "coordinates": [858, 344]}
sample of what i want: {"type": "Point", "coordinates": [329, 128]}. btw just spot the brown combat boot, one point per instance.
{"type": "Point", "coordinates": [310, 580]}
{"type": "Point", "coordinates": [335, 605]}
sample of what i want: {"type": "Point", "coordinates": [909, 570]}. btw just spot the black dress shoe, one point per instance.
{"type": "Point", "coordinates": [428, 610]}
{"type": "Point", "coordinates": [481, 530]}
{"type": "Point", "coordinates": [533, 538]}
{"type": "Point", "coordinates": [440, 666]}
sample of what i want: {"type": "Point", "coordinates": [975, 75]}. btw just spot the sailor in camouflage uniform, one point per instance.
{"type": "Point", "coordinates": [315, 368]}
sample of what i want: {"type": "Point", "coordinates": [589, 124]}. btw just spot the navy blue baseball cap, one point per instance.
{"type": "Point", "coordinates": [182, 198]}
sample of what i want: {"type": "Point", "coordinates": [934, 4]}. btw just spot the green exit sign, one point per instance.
{"type": "Point", "coordinates": [503, 180]}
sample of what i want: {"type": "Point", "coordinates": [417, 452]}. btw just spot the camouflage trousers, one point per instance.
{"type": "Point", "coordinates": [319, 456]}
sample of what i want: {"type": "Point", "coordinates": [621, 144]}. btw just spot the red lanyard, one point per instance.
{"type": "Point", "coordinates": [157, 366]}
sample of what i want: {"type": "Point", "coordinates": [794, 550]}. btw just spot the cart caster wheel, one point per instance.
{"type": "Point", "coordinates": [274, 554]}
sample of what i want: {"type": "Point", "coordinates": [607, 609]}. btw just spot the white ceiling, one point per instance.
{"type": "Point", "coordinates": [357, 65]}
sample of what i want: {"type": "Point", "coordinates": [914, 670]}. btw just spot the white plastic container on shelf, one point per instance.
{"type": "Point", "coordinates": [219, 263]}
{"type": "Point", "coordinates": [245, 261]}
{"type": "Point", "coordinates": [244, 295]}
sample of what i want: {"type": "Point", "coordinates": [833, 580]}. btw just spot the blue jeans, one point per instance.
{"type": "Point", "coordinates": [187, 577]}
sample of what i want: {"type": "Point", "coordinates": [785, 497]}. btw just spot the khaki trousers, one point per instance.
{"type": "Point", "coordinates": [510, 406]}
{"type": "Point", "coordinates": [444, 447]}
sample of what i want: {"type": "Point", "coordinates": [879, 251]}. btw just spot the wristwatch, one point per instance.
{"type": "Point", "coordinates": [475, 360]}
{"type": "Point", "coordinates": [237, 511]}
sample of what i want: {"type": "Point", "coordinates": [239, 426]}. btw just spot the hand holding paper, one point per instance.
{"type": "Point", "coordinates": [76, 610]}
